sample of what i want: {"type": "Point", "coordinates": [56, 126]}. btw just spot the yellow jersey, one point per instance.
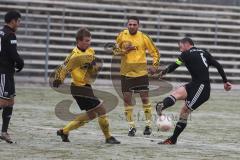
{"type": "Point", "coordinates": [81, 66]}
{"type": "Point", "coordinates": [134, 63]}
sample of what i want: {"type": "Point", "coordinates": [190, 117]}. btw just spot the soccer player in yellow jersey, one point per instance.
{"type": "Point", "coordinates": [134, 72]}
{"type": "Point", "coordinates": [80, 63]}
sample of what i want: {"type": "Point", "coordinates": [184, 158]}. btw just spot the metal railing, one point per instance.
{"type": "Point", "coordinates": [49, 21]}
{"type": "Point", "coordinates": [63, 27]}
{"type": "Point", "coordinates": [213, 2]}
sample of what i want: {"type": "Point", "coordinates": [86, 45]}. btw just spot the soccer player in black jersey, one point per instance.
{"type": "Point", "coordinates": [10, 62]}
{"type": "Point", "coordinates": [195, 92]}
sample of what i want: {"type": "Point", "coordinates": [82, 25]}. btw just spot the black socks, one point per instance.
{"type": "Point", "coordinates": [6, 116]}
{"type": "Point", "coordinates": [181, 124]}
{"type": "Point", "coordinates": [168, 102]}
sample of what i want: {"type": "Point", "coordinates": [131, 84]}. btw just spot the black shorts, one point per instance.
{"type": "Point", "coordinates": [7, 86]}
{"type": "Point", "coordinates": [84, 97]}
{"type": "Point", "coordinates": [134, 84]}
{"type": "Point", "coordinates": [197, 94]}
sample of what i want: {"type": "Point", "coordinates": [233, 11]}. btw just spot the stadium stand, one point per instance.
{"type": "Point", "coordinates": [48, 32]}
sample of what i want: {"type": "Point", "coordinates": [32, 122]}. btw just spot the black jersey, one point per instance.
{"type": "Point", "coordinates": [197, 62]}
{"type": "Point", "coordinates": [9, 57]}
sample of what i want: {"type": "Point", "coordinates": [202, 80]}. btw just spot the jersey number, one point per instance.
{"type": "Point", "coordinates": [204, 60]}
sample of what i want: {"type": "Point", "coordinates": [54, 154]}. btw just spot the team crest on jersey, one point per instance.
{"type": "Point", "coordinates": [125, 44]}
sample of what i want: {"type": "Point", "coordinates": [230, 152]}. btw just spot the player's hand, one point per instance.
{"type": "Point", "coordinates": [129, 48]}
{"type": "Point", "coordinates": [57, 83]}
{"type": "Point", "coordinates": [152, 70]}
{"type": "Point", "coordinates": [162, 73]}
{"type": "Point", "coordinates": [227, 86]}
{"type": "Point", "coordinates": [19, 67]}
{"type": "Point", "coordinates": [86, 66]}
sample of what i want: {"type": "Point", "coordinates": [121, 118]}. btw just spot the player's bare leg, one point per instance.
{"type": "Point", "coordinates": [97, 112]}
{"type": "Point", "coordinates": [147, 107]}
{"type": "Point", "coordinates": [103, 121]}
{"type": "Point", "coordinates": [7, 106]}
{"type": "Point", "coordinates": [6, 102]}
{"type": "Point", "coordinates": [178, 94]}
{"type": "Point", "coordinates": [128, 110]}
{"type": "Point", "coordinates": [180, 126]}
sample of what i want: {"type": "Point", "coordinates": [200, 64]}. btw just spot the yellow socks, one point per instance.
{"type": "Point", "coordinates": [104, 125]}
{"type": "Point", "coordinates": [129, 116]}
{"type": "Point", "coordinates": [76, 123]}
{"type": "Point", "coordinates": [82, 119]}
{"type": "Point", "coordinates": [148, 113]}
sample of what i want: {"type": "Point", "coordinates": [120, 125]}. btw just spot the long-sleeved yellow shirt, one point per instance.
{"type": "Point", "coordinates": [134, 63]}
{"type": "Point", "coordinates": [80, 65]}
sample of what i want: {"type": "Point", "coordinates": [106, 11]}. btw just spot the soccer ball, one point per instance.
{"type": "Point", "coordinates": [164, 123]}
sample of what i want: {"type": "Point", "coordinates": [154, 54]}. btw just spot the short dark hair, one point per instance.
{"type": "Point", "coordinates": [12, 15]}
{"type": "Point", "coordinates": [134, 18]}
{"type": "Point", "coordinates": [188, 40]}
{"type": "Point", "coordinates": [83, 32]}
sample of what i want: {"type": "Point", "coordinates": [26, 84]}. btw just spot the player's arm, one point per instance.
{"type": "Point", "coordinates": [121, 48]}
{"type": "Point", "coordinates": [216, 64]}
{"type": "Point", "coordinates": [94, 69]}
{"type": "Point", "coordinates": [117, 50]}
{"type": "Point", "coordinates": [61, 72]}
{"type": "Point", "coordinates": [172, 67]}
{"type": "Point", "coordinates": [71, 62]}
{"type": "Point", "coordinates": [119, 38]}
{"type": "Point", "coordinates": [95, 65]}
{"type": "Point", "coordinates": [12, 51]}
{"type": "Point", "coordinates": [154, 53]}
